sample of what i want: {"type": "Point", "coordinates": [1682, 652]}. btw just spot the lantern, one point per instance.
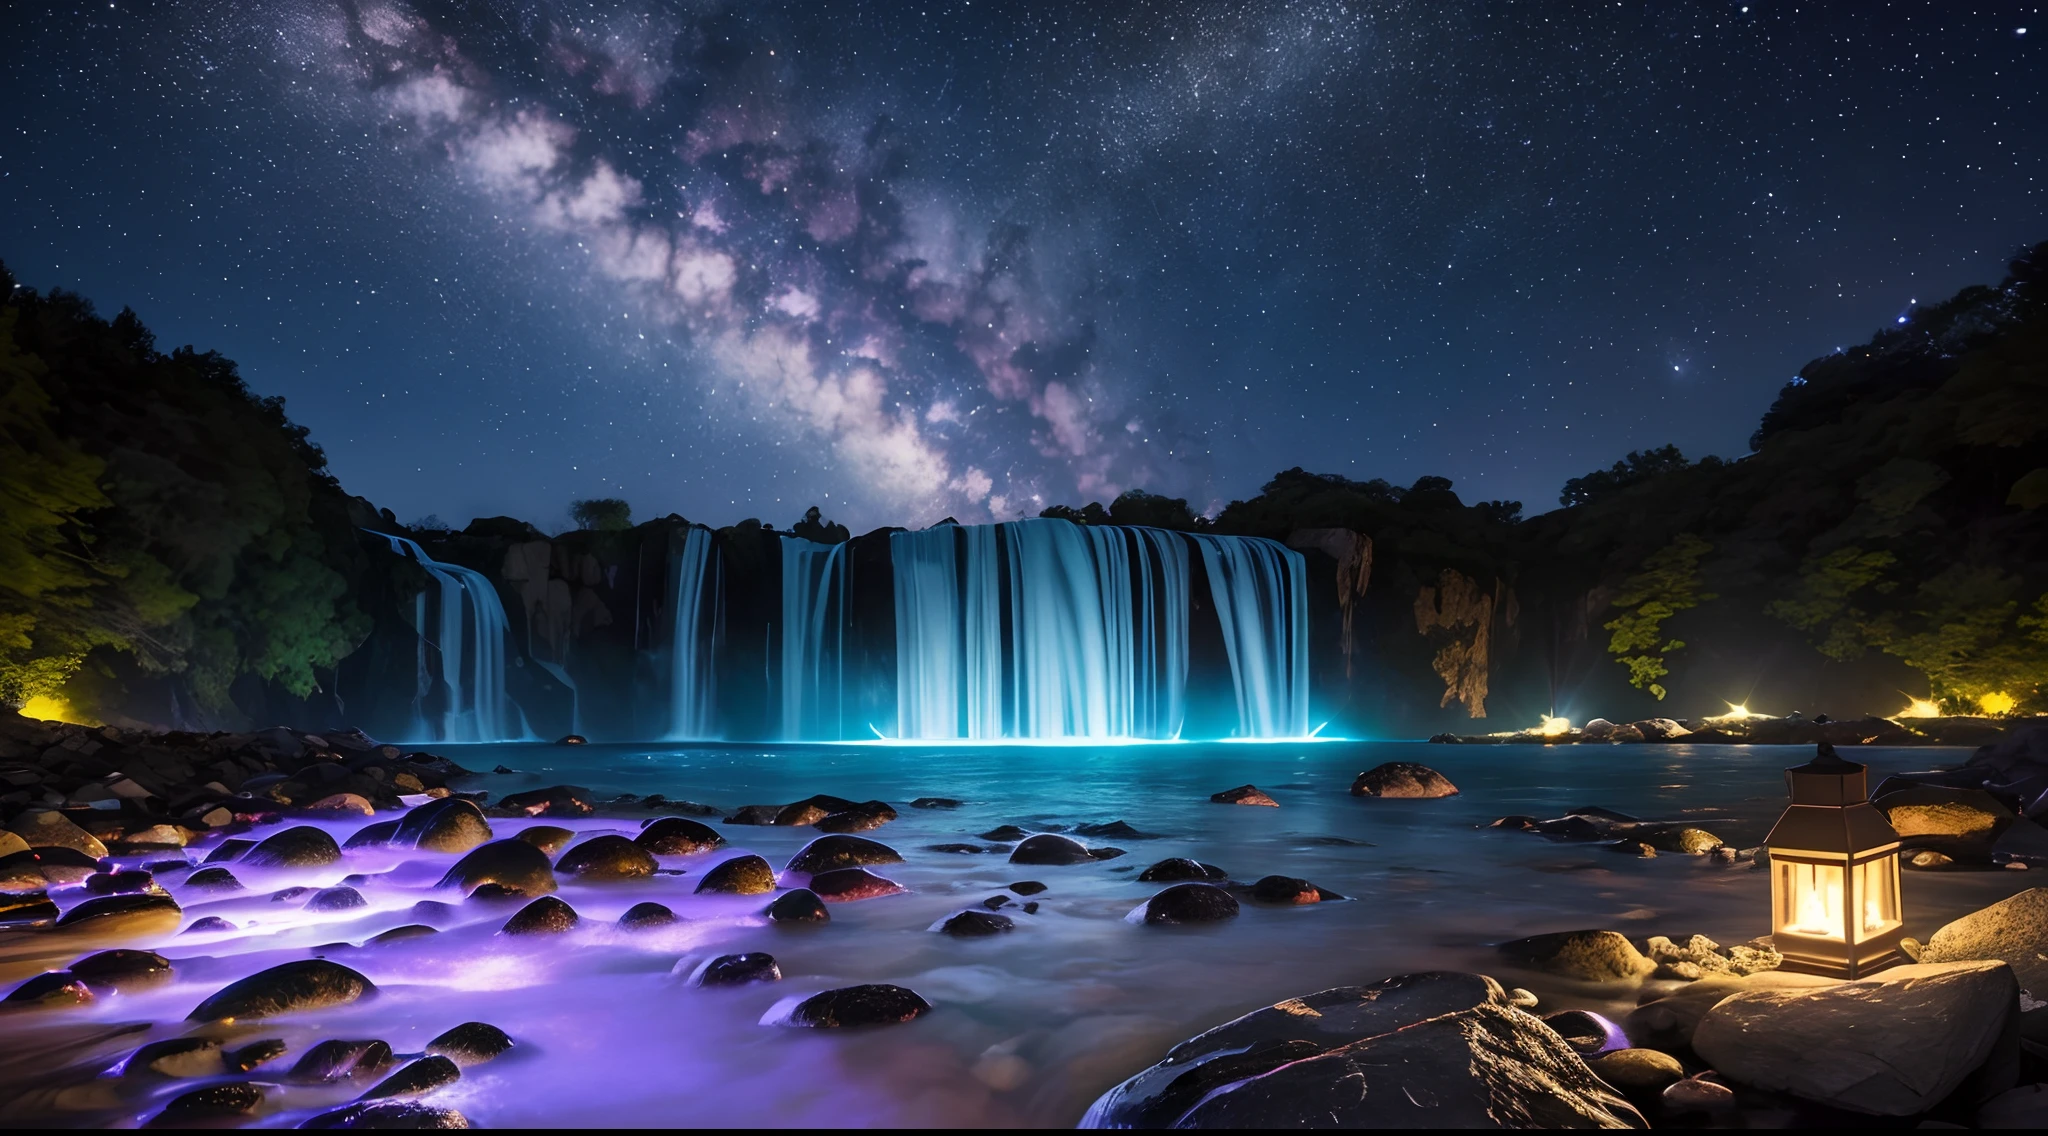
{"type": "Point", "coordinates": [1834, 874]}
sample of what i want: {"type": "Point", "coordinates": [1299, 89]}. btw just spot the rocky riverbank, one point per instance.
{"type": "Point", "coordinates": [1759, 729]}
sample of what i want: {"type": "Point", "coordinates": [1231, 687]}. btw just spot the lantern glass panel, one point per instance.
{"type": "Point", "coordinates": [1810, 899]}
{"type": "Point", "coordinates": [1877, 893]}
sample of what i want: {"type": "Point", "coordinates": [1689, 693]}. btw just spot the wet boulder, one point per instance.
{"type": "Point", "coordinates": [741, 875]}
{"type": "Point", "coordinates": [1116, 829]}
{"type": "Point", "coordinates": [336, 1058]}
{"type": "Point", "coordinates": [1589, 956]}
{"type": "Point", "coordinates": [449, 824]}
{"type": "Point", "coordinates": [935, 803]}
{"type": "Point", "coordinates": [207, 925]}
{"type": "Point", "coordinates": [1893, 1045]}
{"type": "Point", "coordinates": [1290, 890]}
{"type": "Point", "coordinates": [844, 885]}
{"type": "Point", "coordinates": [738, 970]}
{"type": "Point", "coordinates": [48, 828]}
{"type": "Point", "coordinates": [1641, 1074]}
{"type": "Point", "coordinates": [1178, 869]}
{"type": "Point", "coordinates": [26, 907]}
{"type": "Point", "coordinates": [864, 817]}
{"type": "Point", "coordinates": [260, 1052]}
{"type": "Point", "coordinates": [1190, 903]}
{"type": "Point", "coordinates": [972, 924]}
{"type": "Point", "coordinates": [177, 1057]}
{"type": "Point", "coordinates": [300, 847]}
{"type": "Point", "coordinates": [678, 836]}
{"type": "Point", "coordinates": [756, 814]}
{"type": "Point", "coordinates": [553, 801]}
{"type": "Point", "coordinates": [607, 857]}
{"type": "Point", "coordinates": [544, 916]}
{"type": "Point", "coordinates": [110, 916]}
{"type": "Point", "coordinates": [210, 1106]}
{"type": "Point", "coordinates": [126, 881]}
{"type": "Point", "coordinates": [828, 853]}
{"type": "Point", "coordinates": [1964, 824]}
{"type": "Point", "coordinates": [213, 880]}
{"type": "Point", "coordinates": [1402, 780]}
{"type": "Point", "coordinates": [1027, 887]}
{"type": "Point", "coordinates": [1049, 848]}
{"type": "Point", "coordinates": [2013, 930]}
{"type": "Point", "coordinates": [549, 838]}
{"type": "Point", "coordinates": [1244, 795]}
{"type": "Point", "coordinates": [1005, 833]}
{"type": "Point", "coordinates": [50, 989]}
{"type": "Point", "coordinates": [293, 987]}
{"type": "Point", "coordinates": [416, 1079]}
{"type": "Point", "coordinates": [514, 865]}
{"type": "Point", "coordinates": [643, 916]}
{"type": "Point", "coordinates": [390, 1114]}
{"type": "Point", "coordinates": [799, 906]}
{"type": "Point", "coordinates": [229, 850]}
{"type": "Point", "coordinates": [811, 810]}
{"type": "Point", "coordinates": [125, 970]}
{"type": "Point", "coordinates": [872, 1004]}
{"type": "Point", "coordinates": [339, 805]}
{"type": "Point", "coordinates": [471, 1044]}
{"type": "Point", "coordinates": [336, 899]}
{"type": "Point", "coordinates": [373, 835]}
{"type": "Point", "coordinates": [1268, 1038]}
{"type": "Point", "coordinates": [402, 933]}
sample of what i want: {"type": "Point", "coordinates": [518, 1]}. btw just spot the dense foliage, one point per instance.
{"type": "Point", "coordinates": [157, 520]}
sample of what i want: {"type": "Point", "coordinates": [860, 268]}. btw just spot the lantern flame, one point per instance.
{"type": "Point", "coordinates": [1819, 902]}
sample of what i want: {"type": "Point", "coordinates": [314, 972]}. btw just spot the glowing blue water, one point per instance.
{"type": "Point", "coordinates": [470, 648]}
{"type": "Point", "coordinates": [813, 637]}
{"type": "Point", "coordinates": [692, 677]}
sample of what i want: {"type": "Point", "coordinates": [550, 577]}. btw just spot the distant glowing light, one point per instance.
{"type": "Point", "coordinates": [1919, 708]}
{"type": "Point", "coordinates": [1997, 703]}
{"type": "Point", "coordinates": [47, 709]}
{"type": "Point", "coordinates": [1554, 726]}
{"type": "Point", "coordinates": [1737, 711]}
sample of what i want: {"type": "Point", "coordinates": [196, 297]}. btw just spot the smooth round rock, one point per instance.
{"type": "Point", "coordinates": [261, 1052]}
{"type": "Point", "coordinates": [741, 875]}
{"type": "Point", "coordinates": [873, 1004]}
{"type": "Point", "coordinates": [553, 801]}
{"type": "Point", "coordinates": [229, 850]}
{"type": "Point", "coordinates": [48, 828]}
{"type": "Point", "coordinates": [471, 1043]}
{"type": "Point", "coordinates": [1244, 795]}
{"type": "Point", "coordinates": [511, 864]}
{"type": "Point", "coordinates": [607, 857]}
{"type": "Point", "coordinates": [1027, 887]}
{"type": "Point", "coordinates": [213, 879]}
{"type": "Point", "coordinates": [1191, 903]}
{"type": "Point", "coordinates": [336, 899]}
{"type": "Point", "coordinates": [177, 1057]}
{"type": "Point", "coordinates": [935, 803]}
{"type": "Point", "coordinates": [1402, 780]}
{"type": "Point", "coordinates": [401, 934]}
{"type": "Point", "coordinates": [129, 881]}
{"type": "Point", "coordinates": [830, 853]}
{"type": "Point", "coordinates": [213, 1103]}
{"type": "Point", "coordinates": [642, 916]}
{"type": "Point", "coordinates": [1695, 1095]}
{"type": "Point", "coordinates": [31, 870]}
{"type": "Point", "coordinates": [549, 838]}
{"type": "Point", "coordinates": [51, 988]}
{"type": "Point", "coordinates": [449, 824]}
{"type": "Point", "coordinates": [544, 916]}
{"type": "Point", "coordinates": [27, 906]}
{"type": "Point", "coordinates": [123, 969]}
{"type": "Point", "coordinates": [1049, 848]}
{"type": "Point", "coordinates": [308, 984]}
{"type": "Point", "coordinates": [1289, 890]}
{"type": "Point", "coordinates": [1005, 833]}
{"type": "Point", "coordinates": [844, 885]}
{"type": "Point", "coordinates": [1639, 1073]}
{"type": "Point", "coordinates": [972, 924]}
{"type": "Point", "coordinates": [301, 847]}
{"type": "Point", "coordinates": [1178, 869]}
{"type": "Point", "coordinates": [335, 1058]}
{"type": "Point", "coordinates": [864, 817]}
{"type": "Point", "coordinates": [811, 809]}
{"type": "Point", "coordinates": [132, 914]}
{"type": "Point", "coordinates": [207, 924]}
{"type": "Point", "coordinates": [678, 836]}
{"type": "Point", "coordinates": [738, 970]}
{"type": "Point", "coordinates": [390, 1114]}
{"type": "Point", "coordinates": [799, 906]}
{"type": "Point", "coordinates": [417, 1078]}
{"type": "Point", "coordinates": [373, 835]}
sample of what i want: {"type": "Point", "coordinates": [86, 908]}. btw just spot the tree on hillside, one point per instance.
{"type": "Point", "coordinates": [603, 514]}
{"type": "Point", "coordinates": [1638, 467]}
{"type": "Point", "coordinates": [1668, 584]}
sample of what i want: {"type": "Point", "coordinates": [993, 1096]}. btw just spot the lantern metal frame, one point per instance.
{"type": "Point", "coordinates": [1850, 854]}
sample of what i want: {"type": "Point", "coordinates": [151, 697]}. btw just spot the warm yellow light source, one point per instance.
{"type": "Point", "coordinates": [1919, 708]}
{"type": "Point", "coordinates": [1554, 727]}
{"type": "Point", "coordinates": [1996, 703]}
{"type": "Point", "coordinates": [1737, 711]}
{"type": "Point", "coordinates": [45, 708]}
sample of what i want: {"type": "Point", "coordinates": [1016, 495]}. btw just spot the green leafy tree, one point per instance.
{"type": "Point", "coordinates": [603, 514]}
{"type": "Point", "coordinates": [1668, 583]}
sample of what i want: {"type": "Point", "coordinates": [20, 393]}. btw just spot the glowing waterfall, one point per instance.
{"type": "Point", "coordinates": [1040, 629]}
{"type": "Point", "coordinates": [471, 645]}
{"type": "Point", "coordinates": [1260, 589]}
{"type": "Point", "coordinates": [691, 676]}
{"type": "Point", "coordinates": [813, 638]}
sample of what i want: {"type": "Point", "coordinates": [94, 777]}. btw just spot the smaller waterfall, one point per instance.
{"type": "Point", "coordinates": [691, 677]}
{"type": "Point", "coordinates": [471, 646]}
{"type": "Point", "coordinates": [813, 638]}
{"type": "Point", "coordinates": [1260, 589]}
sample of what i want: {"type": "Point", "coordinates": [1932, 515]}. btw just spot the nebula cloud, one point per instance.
{"type": "Point", "coordinates": [878, 318]}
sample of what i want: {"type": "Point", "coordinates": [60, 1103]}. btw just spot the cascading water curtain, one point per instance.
{"type": "Point", "coordinates": [1040, 629]}
{"type": "Point", "coordinates": [813, 638]}
{"type": "Point", "coordinates": [691, 676]}
{"type": "Point", "coordinates": [471, 645]}
{"type": "Point", "coordinates": [1260, 588]}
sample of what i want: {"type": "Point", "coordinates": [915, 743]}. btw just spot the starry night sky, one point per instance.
{"type": "Point", "coordinates": [906, 260]}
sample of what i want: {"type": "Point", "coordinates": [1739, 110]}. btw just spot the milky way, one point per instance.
{"type": "Point", "coordinates": [909, 260]}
